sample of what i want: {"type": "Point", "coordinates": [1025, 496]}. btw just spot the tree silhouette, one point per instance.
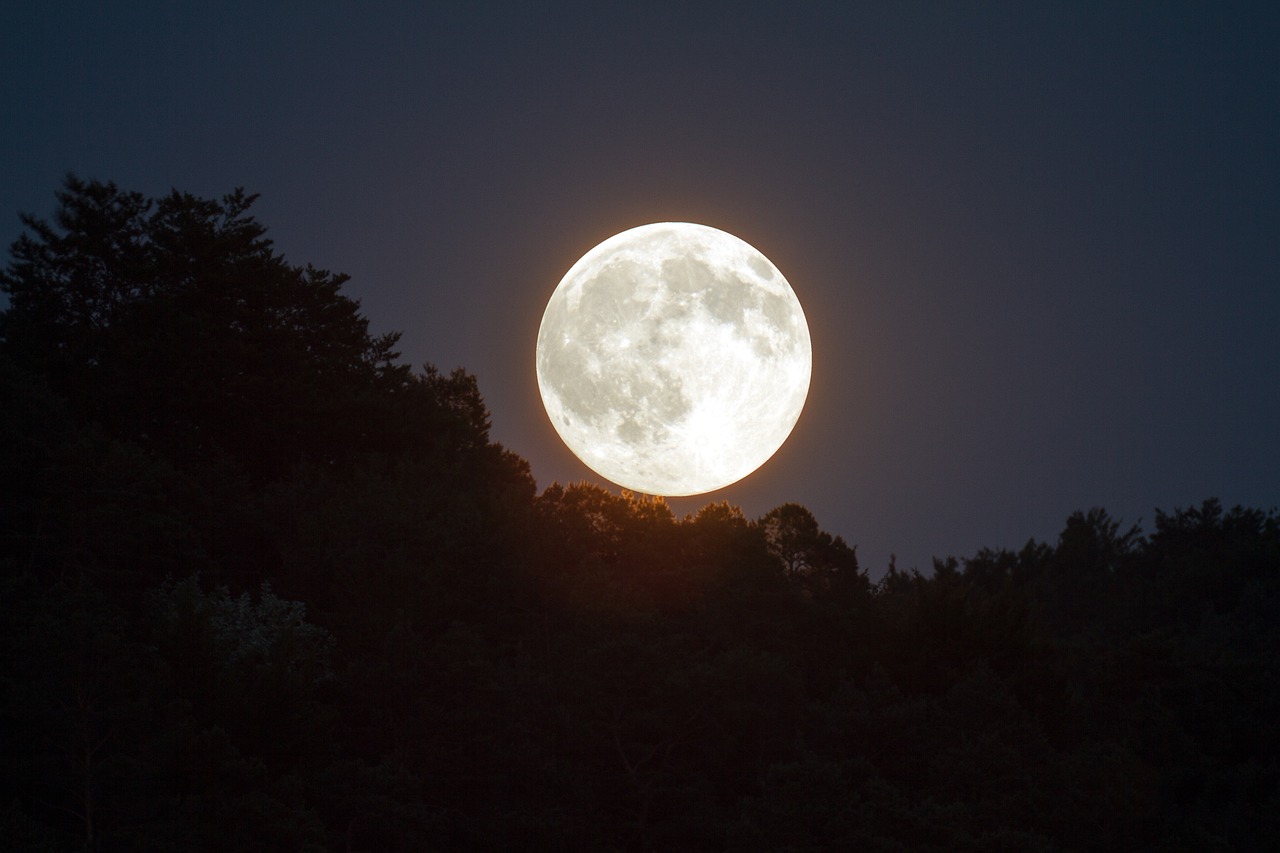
{"type": "Point", "coordinates": [263, 588]}
{"type": "Point", "coordinates": [810, 556]}
{"type": "Point", "coordinates": [174, 324]}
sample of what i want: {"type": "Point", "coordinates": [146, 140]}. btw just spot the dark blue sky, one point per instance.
{"type": "Point", "coordinates": [1038, 244]}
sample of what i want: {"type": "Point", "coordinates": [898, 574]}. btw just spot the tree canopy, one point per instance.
{"type": "Point", "coordinates": [172, 322]}
{"type": "Point", "coordinates": [263, 587]}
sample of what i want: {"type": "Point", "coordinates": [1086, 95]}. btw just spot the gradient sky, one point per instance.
{"type": "Point", "coordinates": [1038, 243]}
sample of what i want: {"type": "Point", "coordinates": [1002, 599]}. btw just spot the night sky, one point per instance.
{"type": "Point", "coordinates": [1038, 244]}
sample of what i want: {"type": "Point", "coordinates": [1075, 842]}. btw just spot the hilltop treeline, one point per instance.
{"type": "Point", "coordinates": [264, 588]}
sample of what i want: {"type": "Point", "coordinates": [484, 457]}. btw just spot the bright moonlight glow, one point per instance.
{"type": "Point", "coordinates": [674, 359]}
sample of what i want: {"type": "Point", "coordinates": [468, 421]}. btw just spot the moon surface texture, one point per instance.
{"type": "Point", "coordinates": [674, 359]}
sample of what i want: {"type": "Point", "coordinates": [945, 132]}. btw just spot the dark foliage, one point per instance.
{"type": "Point", "coordinates": [262, 588]}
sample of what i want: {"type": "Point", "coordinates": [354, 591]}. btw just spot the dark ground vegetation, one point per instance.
{"type": "Point", "coordinates": [263, 588]}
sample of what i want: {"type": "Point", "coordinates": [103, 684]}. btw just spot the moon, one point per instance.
{"type": "Point", "coordinates": [674, 359]}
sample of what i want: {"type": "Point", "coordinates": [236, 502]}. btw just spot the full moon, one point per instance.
{"type": "Point", "coordinates": [673, 359]}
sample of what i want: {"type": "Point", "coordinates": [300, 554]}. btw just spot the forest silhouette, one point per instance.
{"type": "Point", "coordinates": [266, 588]}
